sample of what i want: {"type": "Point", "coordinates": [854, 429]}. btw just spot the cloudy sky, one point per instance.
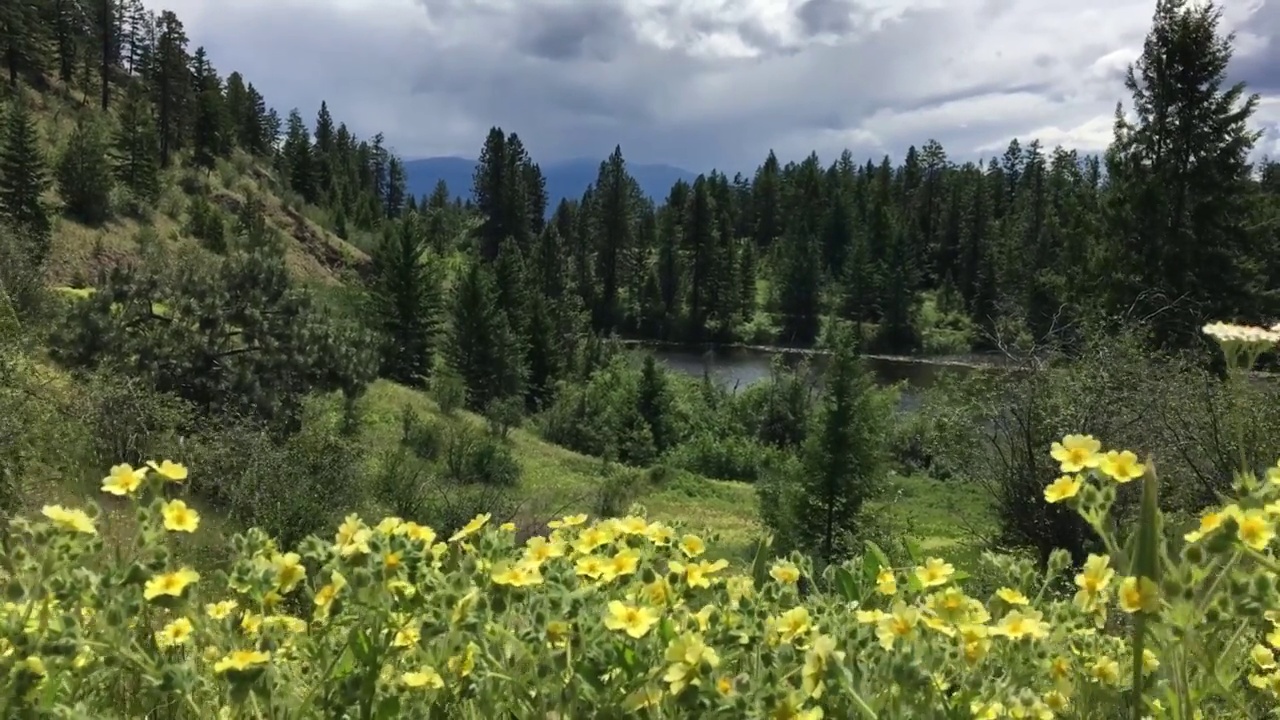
{"type": "Point", "coordinates": [709, 83]}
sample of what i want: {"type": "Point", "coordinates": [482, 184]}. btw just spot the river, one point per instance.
{"type": "Point", "coordinates": [739, 367]}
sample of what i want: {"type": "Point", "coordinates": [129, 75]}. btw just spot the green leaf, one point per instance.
{"type": "Point", "coordinates": [846, 584]}
{"type": "Point", "coordinates": [914, 551]}
{"type": "Point", "coordinates": [760, 566]}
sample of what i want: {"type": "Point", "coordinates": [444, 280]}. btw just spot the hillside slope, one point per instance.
{"type": "Point", "coordinates": [79, 251]}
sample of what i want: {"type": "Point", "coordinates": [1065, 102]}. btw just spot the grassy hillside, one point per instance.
{"type": "Point", "coordinates": [315, 254]}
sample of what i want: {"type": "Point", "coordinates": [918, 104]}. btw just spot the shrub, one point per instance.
{"type": "Point", "coordinates": [424, 438]}
{"type": "Point", "coordinates": [289, 488]}
{"type": "Point", "coordinates": [449, 390]}
{"type": "Point", "coordinates": [470, 456]}
{"type": "Point", "coordinates": [727, 457]}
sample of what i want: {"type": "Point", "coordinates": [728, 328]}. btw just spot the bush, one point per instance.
{"type": "Point", "coordinates": [727, 457]}
{"type": "Point", "coordinates": [129, 421]}
{"type": "Point", "coordinates": [289, 488]}
{"type": "Point", "coordinates": [449, 391]}
{"type": "Point", "coordinates": [424, 438]}
{"type": "Point", "coordinates": [470, 456]}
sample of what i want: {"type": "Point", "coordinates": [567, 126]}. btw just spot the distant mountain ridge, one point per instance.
{"type": "Point", "coordinates": [565, 179]}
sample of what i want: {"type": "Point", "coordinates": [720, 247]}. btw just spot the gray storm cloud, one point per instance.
{"type": "Point", "coordinates": [703, 83]}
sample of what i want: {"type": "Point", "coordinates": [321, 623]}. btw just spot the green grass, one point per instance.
{"type": "Point", "coordinates": [944, 518]}
{"type": "Point", "coordinates": [950, 519]}
{"type": "Point", "coordinates": [557, 481]}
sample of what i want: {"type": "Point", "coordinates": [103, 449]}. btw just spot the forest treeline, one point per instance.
{"type": "Point", "coordinates": [1172, 222]}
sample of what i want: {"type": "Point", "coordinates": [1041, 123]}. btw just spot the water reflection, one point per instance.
{"type": "Point", "coordinates": [738, 368]}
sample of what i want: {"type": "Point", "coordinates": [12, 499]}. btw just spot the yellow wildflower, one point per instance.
{"type": "Point", "coordinates": [692, 546]}
{"type": "Point", "coordinates": [1122, 466]}
{"type": "Point", "coordinates": [352, 537]}
{"type": "Point", "coordinates": [792, 624]}
{"type": "Point", "coordinates": [634, 621]}
{"type": "Point", "coordinates": [1263, 657]}
{"type": "Point", "coordinates": [594, 567]}
{"type": "Point", "coordinates": [1063, 488]}
{"type": "Point", "coordinates": [900, 623]}
{"type": "Point", "coordinates": [426, 678]}
{"type": "Point", "coordinates": [886, 583]}
{"type": "Point", "coordinates": [624, 562]}
{"type": "Point", "coordinates": [822, 651]}
{"type": "Point", "coordinates": [419, 533]}
{"type": "Point", "coordinates": [178, 517]}
{"type": "Point", "coordinates": [1211, 520]}
{"type": "Point", "coordinates": [70, 519]}
{"type": "Point", "coordinates": [289, 571]}
{"type": "Point", "coordinates": [632, 525]}
{"type": "Point", "coordinates": [1011, 596]}
{"type": "Point", "coordinates": [591, 538]}
{"type": "Point", "coordinates": [172, 584]}
{"type": "Point", "coordinates": [934, 572]}
{"type": "Point", "coordinates": [123, 480]}
{"type": "Point", "coordinates": [1093, 583]}
{"type": "Point", "coordinates": [472, 527]}
{"type": "Point", "coordinates": [175, 633]}
{"type": "Point", "coordinates": [539, 550]}
{"type": "Point", "coordinates": [1255, 529]}
{"type": "Point", "coordinates": [1105, 670]}
{"type": "Point", "coordinates": [660, 534]}
{"type": "Point", "coordinates": [785, 571]}
{"type": "Point", "coordinates": [391, 525]}
{"type": "Point", "coordinates": [522, 574]}
{"type": "Point", "coordinates": [568, 521]}
{"type": "Point", "coordinates": [241, 660]}
{"type": "Point", "coordinates": [1018, 624]}
{"type": "Point", "coordinates": [1139, 594]}
{"type": "Point", "coordinates": [1076, 452]}
{"type": "Point", "coordinates": [688, 654]}
{"type": "Point", "coordinates": [169, 470]}
{"type": "Point", "coordinates": [220, 610]}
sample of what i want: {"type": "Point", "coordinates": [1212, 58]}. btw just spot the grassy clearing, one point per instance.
{"type": "Point", "coordinates": [945, 518]}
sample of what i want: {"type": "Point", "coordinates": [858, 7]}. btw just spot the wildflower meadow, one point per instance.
{"type": "Point", "coordinates": [627, 618]}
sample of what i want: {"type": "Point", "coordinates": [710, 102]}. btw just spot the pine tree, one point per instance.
{"type": "Point", "coordinates": [84, 174]}
{"type": "Point", "coordinates": [616, 212]}
{"type": "Point", "coordinates": [1179, 207]}
{"type": "Point", "coordinates": [441, 225]}
{"type": "Point", "coordinates": [653, 403]}
{"type": "Point", "coordinates": [405, 303]}
{"type": "Point", "coordinates": [297, 159]}
{"type": "Point", "coordinates": [210, 132]}
{"type": "Point", "coordinates": [23, 177]}
{"type": "Point", "coordinates": [699, 248]}
{"type": "Point", "coordinates": [170, 76]}
{"type": "Point", "coordinates": [844, 458]}
{"type": "Point", "coordinates": [766, 201]}
{"type": "Point", "coordinates": [482, 349]}
{"type": "Point", "coordinates": [325, 149]}
{"type": "Point", "coordinates": [256, 126]}
{"type": "Point", "coordinates": [137, 163]}
{"type": "Point", "coordinates": [799, 286]}
{"type": "Point", "coordinates": [394, 202]}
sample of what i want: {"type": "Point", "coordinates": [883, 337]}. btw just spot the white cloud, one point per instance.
{"type": "Point", "coordinates": [703, 83]}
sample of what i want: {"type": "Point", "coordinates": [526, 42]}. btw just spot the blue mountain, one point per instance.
{"type": "Point", "coordinates": [565, 179]}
